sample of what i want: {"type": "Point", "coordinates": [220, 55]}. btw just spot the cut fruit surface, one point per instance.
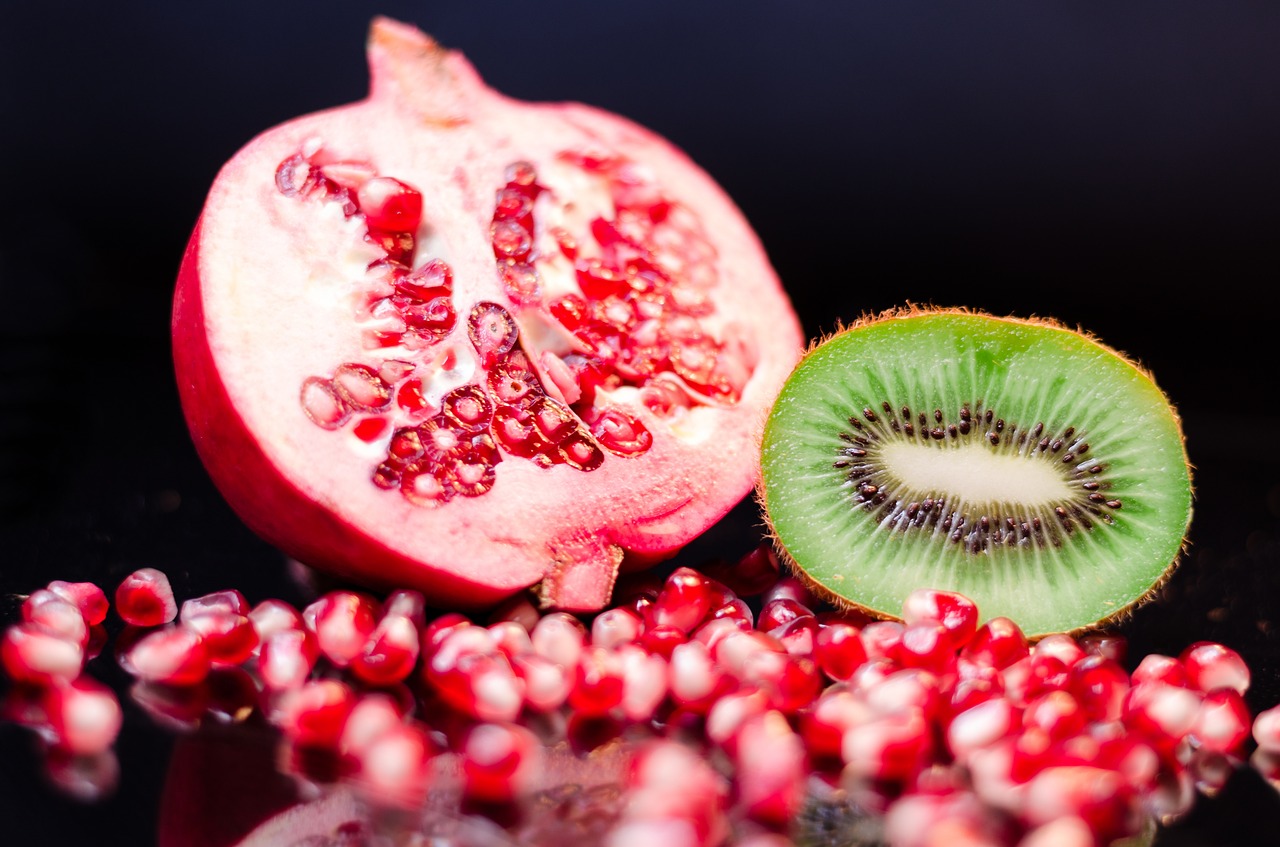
{"type": "Point", "coordinates": [444, 339]}
{"type": "Point", "coordinates": [1017, 462]}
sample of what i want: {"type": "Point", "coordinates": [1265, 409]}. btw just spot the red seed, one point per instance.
{"type": "Point", "coordinates": [997, 643]}
{"type": "Point", "coordinates": [614, 627]}
{"type": "Point", "coordinates": [1266, 729]}
{"type": "Point", "coordinates": [287, 657]}
{"type": "Point", "coordinates": [685, 599]}
{"type": "Point", "coordinates": [780, 611]}
{"type": "Point", "coordinates": [145, 598]}
{"type": "Point", "coordinates": [89, 598]}
{"type": "Point", "coordinates": [389, 205]}
{"type": "Point", "coordinates": [1210, 665]}
{"type": "Point", "coordinates": [771, 768]}
{"type": "Point", "coordinates": [229, 638]}
{"type": "Point", "coordinates": [559, 637]}
{"type": "Point", "coordinates": [956, 613]}
{"type": "Point", "coordinates": [839, 649]}
{"type": "Point", "coordinates": [1100, 685]}
{"type": "Point", "coordinates": [980, 726]}
{"type": "Point", "coordinates": [372, 715]}
{"type": "Point", "coordinates": [511, 638]}
{"type": "Point", "coordinates": [33, 653]}
{"type": "Point", "coordinates": [500, 761]}
{"type": "Point", "coordinates": [315, 714]}
{"type": "Point", "coordinates": [890, 747]}
{"type": "Point", "coordinates": [272, 616]}
{"type": "Point", "coordinates": [390, 653]}
{"type": "Point", "coordinates": [546, 683]}
{"type": "Point", "coordinates": [229, 600]}
{"type": "Point", "coordinates": [1222, 722]}
{"type": "Point", "coordinates": [646, 681]}
{"type": "Point", "coordinates": [395, 768]}
{"type": "Point", "coordinates": [342, 622]}
{"type": "Point", "coordinates": [58, 615]}
{"type": "Point", "coordinates": [1155, 667]}
{"type": "Point", "coordinates": [175, 655]}
{"type": "Point", "coordinates": [84, 715]}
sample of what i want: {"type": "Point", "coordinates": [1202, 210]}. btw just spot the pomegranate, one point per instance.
{"type": "Point", "coordinates": [447, 340]}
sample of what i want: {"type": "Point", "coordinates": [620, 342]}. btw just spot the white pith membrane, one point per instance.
{"type": "Point", "coordinates": [1020, 464]}
{"type": "Point", "coordinates": [290, 309]}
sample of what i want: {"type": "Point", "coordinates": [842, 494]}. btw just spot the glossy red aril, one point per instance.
{"type": "Point", "coordinates": [444, 339]}
{"type": "Point", "coordinates": [145, 598]}
{"type": "Point", "coordinates": [88, 597]}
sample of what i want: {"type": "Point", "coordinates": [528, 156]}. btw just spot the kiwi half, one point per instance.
{"type": "Point", "coordinates": [1016, 461]}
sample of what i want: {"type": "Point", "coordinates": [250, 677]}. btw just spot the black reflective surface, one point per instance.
{"type": "Point", "coordinates": [1112, 167]}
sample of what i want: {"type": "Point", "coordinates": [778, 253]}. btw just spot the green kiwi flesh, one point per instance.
{"type": "Point", "coordinates": [1018, 462]}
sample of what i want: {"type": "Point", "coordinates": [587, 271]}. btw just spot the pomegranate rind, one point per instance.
{"type": "Point", "coordinates": [263, 301]}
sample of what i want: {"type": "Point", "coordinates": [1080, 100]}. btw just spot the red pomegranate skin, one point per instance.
{"type": "Point", "coordinates": [447, 340]}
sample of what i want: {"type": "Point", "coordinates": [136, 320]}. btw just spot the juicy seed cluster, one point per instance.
{"type": "Point", "coordinates": [974, 527]}
{"type": "Point", "coordinates": [644, 273]}
{"type": "Point", "coordinates": [731, 708]}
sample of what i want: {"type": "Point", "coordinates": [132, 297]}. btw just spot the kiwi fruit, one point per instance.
{"type": "Point", "coordinates": [1016, 461]}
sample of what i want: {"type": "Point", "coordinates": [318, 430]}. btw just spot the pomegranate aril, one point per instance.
{"type": "Point", "coordinates": [646, 681]}
{"type": "Point", "coordinates": [779, 611]}
{"type": "Point", "coordinates": [892, 748]}
{"type": "Point", "coordinates": [559, 637]}
{"type": "Point", "coordinates": [771, 768]}
{"type": "Point", "coordinates": [229, 638]}
{"type": "Point", "coordinates": [881, 638]}
{"type": "Point", "coordinates": [695, 680]}
{"type": "Point", "coordinates": [229, 600]}
{"type": "Point", "coordinates": [57, 615]}
{"type": "Point", "coordinates": [1266, 729]}
{"type": "Point", "coordinates": [1096, 795]}
{"type": "Point", "coordinates": [395, 768]}
{"type": "Point", "coordinates": [1210, 665]}
{"type": "Point", "coordinates": [1222, 722]}
{"type": "Point", "coordinates": [492, 331]}
{"type": "Point", "coordinates": [980, 726]}
{"type": "Point", "coordinates": [389, 205]}
{"type": "Point", "coordinates": [838, 650]}
{"type": "Point", "coordinates": [546, 684]}
{"type": "Point", "coordinates": [145, 598]}
{"type": "Point", "coordinates": [663, 639]}
{"type": "Point", "coordinates": [499, 761]}
{"type": "Point", "coordinates": [176, 655]}
{"type": "Point", "coordinates": [342, 622]}
{"type": "Point", "coordinates": [619, 432]}
{"type": "Point", "coordinates": [614, 627]}
{"type": "Point", "coordinates": [33, 653]}
{"type": "Point", "coordinates": [83, 714]}
{"type": "Point", "coordinates": [314, 714]}
{"type": "Point", "coordinates": [1100, 685]}
{"type": "Point", "coordinates": [88, 597]}
{"type": "Point", "coordinates": [390, 653]}
{"type": "Point", "coordinates": [1056, 713]}
{"type": "Point", "coordinates": [685, 599]}
{"type": "Point", "coordinates": [286, 658]}
{"type": "Point", "coordinates": [927, 645]}
{"type": "Point", "coordinates": [373, 714]}
{"type": "Point", "coordinates": [1155, 667]}
{"type": "Point", "coordinates": [955, 612]}
{"type": "Point", "coordinates": [998, 643]}
{"type": "Point", "coordinates": [272, 616]}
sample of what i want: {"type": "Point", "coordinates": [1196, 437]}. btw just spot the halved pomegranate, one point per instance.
{"type": "Point", "coordinates": [444, 339]}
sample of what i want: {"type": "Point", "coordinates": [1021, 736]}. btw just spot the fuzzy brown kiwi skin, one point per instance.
{"type": "Point", "coordinates": [910, 310]}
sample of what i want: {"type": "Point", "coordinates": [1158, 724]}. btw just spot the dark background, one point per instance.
{"type": "Point", "coordinates": [1111, 165]}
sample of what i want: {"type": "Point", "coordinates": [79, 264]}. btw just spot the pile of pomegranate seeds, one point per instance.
{"type": "Point", "coordinates": [737, 706]}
